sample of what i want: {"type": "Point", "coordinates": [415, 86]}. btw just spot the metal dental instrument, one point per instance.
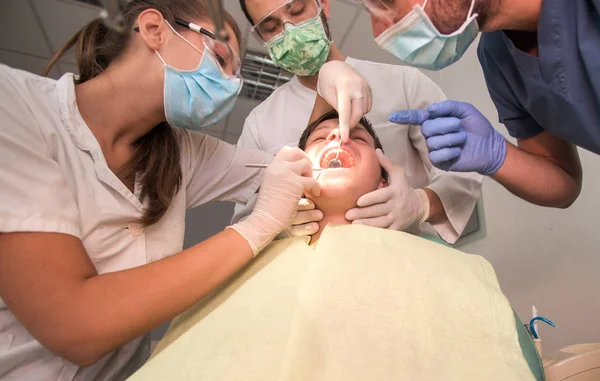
{"type": "Point", "coordinates": [216, 13]}
{"type": "Point", "coordinates": [335, 162]}
{"type": "Point", "coordinates": [266, 165]}
{"type": "Point", "coordinates": [111, 14]}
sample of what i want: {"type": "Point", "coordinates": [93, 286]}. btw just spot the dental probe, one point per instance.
{"type": "Point", "coordinates": [266, 165]}
{"type": "Point", "coordinates": [217, 13]}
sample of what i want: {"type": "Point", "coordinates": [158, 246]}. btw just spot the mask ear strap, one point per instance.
{"type": "Point", "coordinates": [470, 9]}
{"type": "Point", "coordinates": [184, 39]}
{"type": "Point", "coordinates": [424, 4]}
{"type": "Point", "coordinates": [159, 56]}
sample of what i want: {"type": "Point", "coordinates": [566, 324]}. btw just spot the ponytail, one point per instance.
{"type": "Point", "coordinates": [96, 46]}
{"type": "Point", "coordinates": [157, 156]}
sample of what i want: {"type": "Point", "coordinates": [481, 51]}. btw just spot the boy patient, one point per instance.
{"type": "Point", "coordinates": [357, 303]}
{"type": "Point", "coordinates": [361, 172]}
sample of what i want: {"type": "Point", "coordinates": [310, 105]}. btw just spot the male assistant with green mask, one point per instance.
{"type": "Point", "coordinates": [297, 37]}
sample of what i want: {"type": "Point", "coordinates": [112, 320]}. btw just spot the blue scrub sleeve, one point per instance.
{"type": "Point", "coordinates": [519, 123]}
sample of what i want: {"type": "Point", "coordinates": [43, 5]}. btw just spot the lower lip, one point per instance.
{"type": "Point", "coordinates": [334, 171]}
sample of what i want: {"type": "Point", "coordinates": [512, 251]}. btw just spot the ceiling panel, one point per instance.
{"type": "Point", "coordinates": [68, 67]}
{"type": "Point", "coordinates": [233, 7]}
{"type": "Point", "coordinates": [25, 62]}
{"type": "Point", "coordinates": [236, 119]}
{"type": "Point", "coordinates": [359, 42]}
{"type": "Point", "coordinates": [19, 29]}
{"type": "Point", "coordinates": [248, 41]}
{"type": "Point", "coordinates": [61, 19]}
{"type": "Point", "coordinates": [340, 19]}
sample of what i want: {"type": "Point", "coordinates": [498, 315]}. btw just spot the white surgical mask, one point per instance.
{"type": "Point", "coordinates": [417, 42]}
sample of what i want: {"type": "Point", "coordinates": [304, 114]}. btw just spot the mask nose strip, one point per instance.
{"type": "Point", "coordinates": [287, 24]}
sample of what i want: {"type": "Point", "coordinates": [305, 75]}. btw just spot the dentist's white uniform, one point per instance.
{"type": "Point", "coordinates": [281, 119]}
{"type": "Point", "coordinates": [54, 178]}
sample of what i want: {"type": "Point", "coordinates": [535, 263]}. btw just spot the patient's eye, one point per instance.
{"type": "Point", "coordinates": [360, 136]}
{"type": "Point", "coordinates": [316, 138]}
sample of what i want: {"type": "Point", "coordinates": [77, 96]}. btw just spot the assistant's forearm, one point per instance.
{"type": "Point", "coordinates": [115, 308]}
{"type": "Point", "coordinates": [537, 179]}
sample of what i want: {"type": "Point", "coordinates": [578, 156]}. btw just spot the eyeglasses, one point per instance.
{"type": "Point", "coordinates": [227, 58]}
{"type": "Point", "coordinates": [271, 27]}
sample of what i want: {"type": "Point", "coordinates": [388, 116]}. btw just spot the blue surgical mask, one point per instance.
{"type": "Point", "coordinates": [417, 42]}
{"type": "Point", "coordinates": [195, 99]}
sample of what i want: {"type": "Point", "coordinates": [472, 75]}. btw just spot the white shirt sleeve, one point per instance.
{"type": "Point", "coordinates": [215, 170]}
{"type": "Point", "coordinates": [457, 191]}
{"type": "Point", "coordinates": [249, 140]}
{"type": "Point", "coordinates": [34, 190]}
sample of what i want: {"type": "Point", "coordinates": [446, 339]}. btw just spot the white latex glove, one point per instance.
{"type": "Point", "coordinates": [305, 222]}
{"type": "Point", "coordinates": [285, 180]}
{"type": "Point", "coordinates": [397, 206]}
{"type": "Point", "coordinates": [347, 91]}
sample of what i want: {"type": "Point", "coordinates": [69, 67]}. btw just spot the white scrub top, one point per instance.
{"type": "Point", "coordinates": [54, 178]}
{"type": "Point", "coordinates": [281, 119]}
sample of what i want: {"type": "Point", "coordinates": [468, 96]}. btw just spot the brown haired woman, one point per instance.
{"type": "Point", "coordinates": [95, 179]}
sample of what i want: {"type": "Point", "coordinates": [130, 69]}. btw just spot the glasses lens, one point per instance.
{"type": "Point", "coordinates": [227, 58]}
{"type": "Point", "coordinates": [292, 11]}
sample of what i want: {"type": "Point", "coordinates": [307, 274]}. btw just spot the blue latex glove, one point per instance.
{"type": "Point", "coordinates": [458, 136]}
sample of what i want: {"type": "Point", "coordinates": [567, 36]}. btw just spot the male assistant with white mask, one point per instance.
{"type": "Point", "coordinates": [297, 36]}
{"type": "Point", "coordinates": [541, 61]}
{"type": "Point", "coordinates": [96, 174]}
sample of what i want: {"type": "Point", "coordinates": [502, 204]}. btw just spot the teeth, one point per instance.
{"type": "Point", "coordinates": [344, 157]}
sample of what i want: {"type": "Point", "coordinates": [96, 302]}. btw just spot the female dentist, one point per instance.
{"type": "Point", "coordinates": [96, 174]}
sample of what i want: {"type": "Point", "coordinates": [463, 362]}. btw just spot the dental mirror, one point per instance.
{"type": "Point", "coordinates": [335, 162]}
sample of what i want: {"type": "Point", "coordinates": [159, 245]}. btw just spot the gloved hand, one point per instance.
{"type": "Point", "coordinates": [459, 137]}
{"type": "Point", "coordinates": [397, 206]}
{"type": "Point", "coordinates": [347, 91]}
{"type": "Point", "coordinates": [305, 222]}
{"type": "Point", "coordinates": [285, 180]}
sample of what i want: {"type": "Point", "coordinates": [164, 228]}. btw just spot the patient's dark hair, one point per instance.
{"type": "Point", "coordinates": [334, 115]}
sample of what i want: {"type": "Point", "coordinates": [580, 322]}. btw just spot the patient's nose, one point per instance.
{"type": "Point", "coordinates": [334, 134]}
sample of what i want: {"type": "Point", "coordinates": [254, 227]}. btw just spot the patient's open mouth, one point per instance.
{"type": "Point", "coordinates": [344, 157]}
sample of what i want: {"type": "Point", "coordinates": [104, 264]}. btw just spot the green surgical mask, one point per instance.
{"type": "Point", "coordinates": [301, 49]}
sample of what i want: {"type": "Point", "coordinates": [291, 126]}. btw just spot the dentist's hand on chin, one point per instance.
{"type": "Point", "coordinates": [397, 206]}
{"type": "Point", "coordinates": [305, 222]}
{"type": "Point", "coordinates": [346, 91]}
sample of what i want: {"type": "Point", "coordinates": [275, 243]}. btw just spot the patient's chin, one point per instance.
{"type": "Point", "coordinates": [338, 192]}
{"type": "Point", "coordinates": [334, 185]}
